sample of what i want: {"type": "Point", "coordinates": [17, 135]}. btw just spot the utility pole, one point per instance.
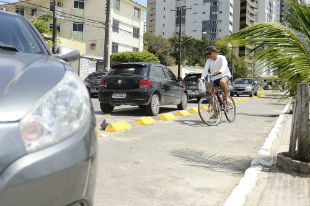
{"type": "Point", "coordinates": [107, 35]}
{"type": "Point", "coordinates": [180, 11]}
{"type": "Point", "coordinates": [54, 37]}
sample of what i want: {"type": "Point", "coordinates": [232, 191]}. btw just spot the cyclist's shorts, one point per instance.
{"type": "Point", "coordinates": [216, 83]}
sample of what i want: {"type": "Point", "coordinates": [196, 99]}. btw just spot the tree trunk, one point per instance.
{"type": "Point", "coordinates": [300, 125]}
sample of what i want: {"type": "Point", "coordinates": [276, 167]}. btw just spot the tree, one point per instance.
{"type": "Point", "coordinates": [159, 46]}
{"type": "Point", "coordinates": [286, 50]}
{"type": "Point", "coordinates": [125, 57]}
{"type": "Point", "coordinates": [42, 25]}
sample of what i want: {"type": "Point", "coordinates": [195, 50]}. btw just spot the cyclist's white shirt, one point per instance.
{"type": "Point", "coordinates": [220, 64]}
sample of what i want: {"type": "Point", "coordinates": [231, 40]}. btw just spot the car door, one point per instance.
{"type": "Point", "coordinates": [175, 88]}
{"type": "Point", "coordinates": [157, 76]}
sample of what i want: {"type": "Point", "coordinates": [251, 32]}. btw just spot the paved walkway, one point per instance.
{"type": "Point", "coordinates": [277, 188]}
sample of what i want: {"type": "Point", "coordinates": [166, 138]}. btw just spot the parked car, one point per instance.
{"type": "Point", "coordinates": [191, 84]}
{"type": "Point", "coordinates": [268, 87]}
{"type": "Point", "coordinates": [243, 86]}
{"type": "Point", "coordinates": [92, 82]}
{"type": "Point", "coordinates": [144, 84]}
{"type": "Point", "coordinates": [47, 138]}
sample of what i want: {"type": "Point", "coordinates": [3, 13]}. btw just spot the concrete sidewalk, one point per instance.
{"type": "Point", "coordinates": [275, 187]}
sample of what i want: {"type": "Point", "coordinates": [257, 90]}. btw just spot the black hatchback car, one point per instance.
{"type": "Point", "coordinates": [147, 85]}
{"type": "Point", "coordinates": [191, 83]}
{"type": "Point", "coordinates": [92, 82]}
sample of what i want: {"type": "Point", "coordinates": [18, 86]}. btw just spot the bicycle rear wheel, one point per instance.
{"type": "Point", "coordinates": [230, 111]}
{"type": "Point", "coordinates": [206, 111]}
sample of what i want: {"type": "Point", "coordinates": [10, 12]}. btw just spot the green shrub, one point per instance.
{"type": "Point", "coordinates": [134, 56]}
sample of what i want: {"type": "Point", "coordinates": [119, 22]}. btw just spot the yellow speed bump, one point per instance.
{"type": "Point", "coordinates": [245, 99]}
{"type": "Point", "coordinates": [183, 113]}
{"type": "Point", "coordinates": [145, 121]}
{"type": "Point", "coordinates": [261, 95]}
{"type": "Point", "coordinates": [204, 108]}
{"type": "Point", "coordinates": [193, 110]}
{"type": "Point", "coordinates": [167, 117]}
{"type": "Point", "coordinates": [254, 97]}
{"type": "Point", "coordinates": [101, 135]}
{"type": "Point", "coordinates": [118, 126]}
{"type": "Point", "coordinates": [236, 100]}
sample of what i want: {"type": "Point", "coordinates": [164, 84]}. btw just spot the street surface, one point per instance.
{"type": "Point", "coordinates": [180, 162]}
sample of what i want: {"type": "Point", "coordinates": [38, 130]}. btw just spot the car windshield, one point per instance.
{"type": "Point", "coordinates": [128, 71]}
{"type": "Point", "coordinates": [244, 81]}
{"type": "Point", "coordinates": [16, 33]}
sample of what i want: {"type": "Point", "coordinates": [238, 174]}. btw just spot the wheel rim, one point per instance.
{"type": "Point", "coordinates": [155, 104]}
{"type": "Point", "coordinates": [206, 114]}
{"type": "Point", "coordinates": [230, 111]}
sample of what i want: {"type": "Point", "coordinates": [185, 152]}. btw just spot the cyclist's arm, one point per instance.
{"type": "Point", "coordinates": [205, 70]}
{"type": "Point", "coordinates": [224, 66]}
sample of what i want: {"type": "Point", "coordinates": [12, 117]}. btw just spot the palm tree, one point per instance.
{"type": "Point", "coordinates": [284, 48]}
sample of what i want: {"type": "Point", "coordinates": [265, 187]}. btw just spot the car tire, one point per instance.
{"type": "Point", "coordinates": [183, 103]}
{"type": "Point", "coordinates": [106, 108]}
{"type": "Point", "coordinates": [251, 95]}
{"type": "Point", "coordinates": [255, 94]}
{"type": "Point", "coordinates": [198, 99]}
{"type": "Point", "coordinates": [153, 107]}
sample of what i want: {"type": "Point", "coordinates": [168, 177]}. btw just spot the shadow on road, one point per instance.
{"type": "Point", "coordinates": [213, 162]}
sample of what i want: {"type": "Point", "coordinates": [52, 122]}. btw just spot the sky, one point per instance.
{"type": "Point", "coordinates": [144, 2]}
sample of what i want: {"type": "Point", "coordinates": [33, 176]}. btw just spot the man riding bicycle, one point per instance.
{"type": "Point", "coordinates": [218, 66]}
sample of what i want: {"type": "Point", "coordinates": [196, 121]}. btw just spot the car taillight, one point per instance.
{"type": "Point", "coordinates": [182, 82]}
{"type": "Point", "coordinates": [145, 83]}
{"type": "Point", "coordinates": [101, 82]}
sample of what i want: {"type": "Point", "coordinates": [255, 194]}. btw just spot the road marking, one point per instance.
{"type": "Point", "coordinates": [248, 181]}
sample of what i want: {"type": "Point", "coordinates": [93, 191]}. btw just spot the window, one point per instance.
{"type": "Point", "coordinates": [78, 26]}
{"type": "Point", "coordinates": [116, 4]}
{"type": "Point", "coordinates": [135, 49]}
{"type": "Point", "coordinates": [115, 26]}
{"type": "Point", "coordinates": [159, 73]}
{"type": "Point", "coordinates": [34, 12]}
{"type": "Point", "coordinates": [114, 47]}
{"type": "Point", "coordinates": [58, 27]}
{"type": "Point", "coordinates": [19, 11]}
{"type": "Point", "coordinates": [79, 4]}
{"type": "Point", "coordinates": [137, 13]}
{"type": "Point", "coordinates": [136, 33]}
{"type": "Point", "coordinates": [170, 75]}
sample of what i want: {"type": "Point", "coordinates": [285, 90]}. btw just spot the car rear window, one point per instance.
{"type": "Point", "coordinates": [192, 77]}
{"type": "Point", "coordinates": [128, 71]}
{"type": "Point", "coordinates": [97, 74]}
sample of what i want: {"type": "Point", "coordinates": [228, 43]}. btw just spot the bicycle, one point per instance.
{"type": "Point", "coordinates": [215, 104]}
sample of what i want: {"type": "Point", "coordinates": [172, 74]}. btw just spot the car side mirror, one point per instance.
{"type": "Point", "coordinates": [67, 54]}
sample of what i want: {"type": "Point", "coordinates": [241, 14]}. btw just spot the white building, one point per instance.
{"type": "Point", "coordinates": [127, 26]}
{"type": "Point", "coordinates": [202, 17]}
{"type": "Point", "coordinates": [268, 11]}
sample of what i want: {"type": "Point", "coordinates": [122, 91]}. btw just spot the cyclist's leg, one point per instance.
{"type": "Point", "coordinates": [225, 88]}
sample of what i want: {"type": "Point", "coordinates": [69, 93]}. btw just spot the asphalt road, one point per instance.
{"type": "Point", "coordinates": [180, 162]}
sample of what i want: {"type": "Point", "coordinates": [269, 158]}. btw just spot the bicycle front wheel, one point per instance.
{"type": "Point", "coordinates": [230, 110]}
{"type": "Point", "coordinates": [210, 111]}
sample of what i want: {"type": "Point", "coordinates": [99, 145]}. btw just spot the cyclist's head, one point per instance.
{"type": "Point", "coordinates": [212, 52]}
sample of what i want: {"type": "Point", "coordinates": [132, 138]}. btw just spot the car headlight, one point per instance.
{"type": "Point", "coordinates": [57, 115]}
{"type": "Point", "coordinates": [248, 88]}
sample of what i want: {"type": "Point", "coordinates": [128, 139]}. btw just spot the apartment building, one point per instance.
{"type": "Point", "coordinates": [211, 18]}
{"type": "Point", "coordinates": [84, 21]}
{"type": "Point", "coordinates": [268, 11]}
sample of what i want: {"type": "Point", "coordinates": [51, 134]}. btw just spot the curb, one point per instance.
{"type": "Point", "coordinates": [285, 163]}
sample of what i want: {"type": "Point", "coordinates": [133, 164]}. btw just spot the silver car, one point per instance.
{"type": "Point", "coordinates": [243, 86]}
{"type": "Point", "coordinates": [47, 137]}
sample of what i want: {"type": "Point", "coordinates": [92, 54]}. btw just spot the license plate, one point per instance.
{"type": "Point", "coordinates": [239, 92]}
{"type": "Point", "coordinates": [119, 95]}
{"type": "Point", "coordinates": [190, 92]}
{"type": "Point", "coordinates": [192, 87]}
{"type": "Point", "coordinates": [94, 90]}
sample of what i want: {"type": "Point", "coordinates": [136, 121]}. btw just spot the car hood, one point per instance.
{"type": "Point", "coordinates": [24, 79]}
{"type": "Point", "coordinates": [242, 85]}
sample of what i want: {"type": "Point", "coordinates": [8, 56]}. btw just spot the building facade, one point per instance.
{"type": "Point", "coordinates": [84, 21]}
{"type": "Point", "coordinates": [268, 11]}
{"type": "Point", "coordinates": [210, 18]}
